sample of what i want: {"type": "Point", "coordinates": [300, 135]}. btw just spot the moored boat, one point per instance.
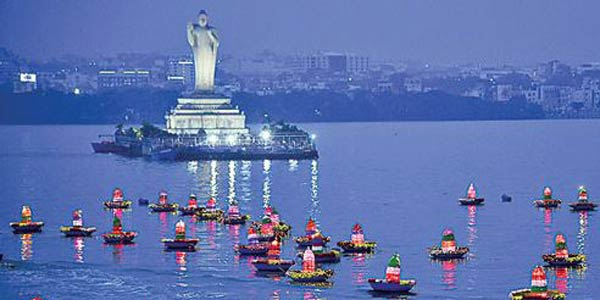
{"type": "Point", "coordinates": [309, 272]}
{"type": "Point", "coordinates": [471, 198]}
{"type": "Point", "coordinates": [77, 228]}
{"type": "Point", "coordinates": [448, 249]}
{"type": "Point", "coordinates": [180, 242]}
{"type": "Point", "coordinates": [117, 235]}
{"type": "Point", "coordinates": [539, 288]}
{"type": "Point", "coordinates": [233, 216]}
{"type": "Point", "coordinates": [163, 204]}
{"type": "Point", "coordinates": [117, 201]}
{"type": "Point", "coordinates": [357, 243]}
{"type": "Point", "coordinates": [192, 208]}
{"type": "Point", "coordinates": [26, 225]}
{"type": "Point", "coordinates": [561, 256]}
{"type": "Point", "coordinates": [392, 282]}
{"type": "Point", "coordinates": [310, 233]}
{"type": "Point", "coordinates": [211, 212]}
{"type": "Point", "coordinates": [547, 201]}
{"type": "Point", "coordinates": [583, 204]}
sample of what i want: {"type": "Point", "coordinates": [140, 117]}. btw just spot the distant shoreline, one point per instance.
{"type": "Point", "coordinates": [138, 106]}
{"type": "Point", "coordinates": [320, 122]}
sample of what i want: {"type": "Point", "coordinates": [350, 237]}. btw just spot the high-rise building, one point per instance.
{"type": "Point", "coordinates": [112, 79]}
{"type": "Point", "coordinates": [335, 62]}
{"type": "Point", "coordinates": [181, 71]}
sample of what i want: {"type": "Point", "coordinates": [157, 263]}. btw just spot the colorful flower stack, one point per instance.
{"type": "Point", "coordinates": [77, 229]}
{"type": "Point", "coordinates": [583, 204]}
{"type": "Point", "coordinates": [311, 232]}
{"type": "Point", "coordinates": [448, 248]}
{"type": "Point", "coordinates": [254, 247]}
{"type": "Point", "coordinates": [471, 198]}
{"type": "Point", "coordinates": [547, 201]}
{"type": "Point", "coordinates": [561, 256]}
{"type": "Point", "coordinates": [273, 262]}
{"type": "Point", "coordinates": [117, 200]}
{"type": "Point", "coordinates": [180, 242]}
{"type": "Point", "coordinates": [26, 225]}
{"type": "Point", "coordinates": [118, 236]}
{"type": "Point", "coordinates": [280, 228]}
{"type": "Point", "coordinates": [309, 272]}
{"type": "Point", "coordinates": [211, 213]}
{"type": "Point", "coordinates": [233, 215]}
{"type": "Point", "coordinates": [357, 243]}
{"type": "Point", "coordinates": [539, 288]}
{"type": "Point", "coordinates": [192, 207]}
{"type": "Point", "coordinates": [266, 230]}
{"type": "Point", "coordinates": [163, 204]}
{"type": "Point", "coordinates": [392, 282]}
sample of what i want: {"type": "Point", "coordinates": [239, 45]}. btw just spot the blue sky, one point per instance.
{"type": "Point", "coordinates": [439, 32]}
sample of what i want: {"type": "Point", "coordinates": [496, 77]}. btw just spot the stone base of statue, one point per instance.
{"type": "Point", "coordinates": [203, 113]}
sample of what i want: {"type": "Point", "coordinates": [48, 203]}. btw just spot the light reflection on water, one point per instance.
{"type": "Point", "coordinates": [26, 247]}
{"type": "Point", "coordinates": [78, 245]}
{"type": "Point", "coordinates": [314, 190]}
{"type": "Point", "coordinates": [266, 183]}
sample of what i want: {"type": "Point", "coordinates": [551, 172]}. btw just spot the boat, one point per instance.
{"type": "Point", "coordinates": [273, 262]}
{"type": "Point", "coordinates": [325, 257]}
{"type": "Point", "coordinates": [26, 225]}
{"type": "Point", "coordinates": [310, 233]}
{"type": "Point", "coordinates": [561, 256]}
{"type": "Point", "coordinates": [506, 198]}
{"type": "Point", "coordinates": [163, 204]}
{"type": "Point", "coordinates": [192, 208]}
{"type": "Point", "coordinates": [448, 249]}
{"type": "Point", "coordinates": [180, 242]}
{"type": "Point", "coordinates": [471, 198]}
{"type": "Point", "coordinates": [392, 282]}
{"type": "Point", "coordinates": [77, 228]}
{"type": "Point", "coordinates": [539, 288]}
{"type": "Point", "coordinates": [309, 273]}
{"type": "Point", "coordinates": [117, 201]}
{"type": "Point", "coordinates": [357, 243]}
{"type": "Point", "coordinates": [211, 213]}
{"type": "Point", "coordinates": [547, 201]}
{"type": "Point", "coordinates": [583, 204]}
{"type": "Point", "coordinates": [233, 216]}
{"type": "Point", "coordinates": [118, 236]}
{"type": "Point", "coordinates": [277, 141]}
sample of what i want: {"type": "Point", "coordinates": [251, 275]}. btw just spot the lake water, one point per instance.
{"type": "Point", "coordinates": [401, 181]}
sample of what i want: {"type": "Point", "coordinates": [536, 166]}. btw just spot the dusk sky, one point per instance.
{"type": "Point", "coordinates": [438, 32]}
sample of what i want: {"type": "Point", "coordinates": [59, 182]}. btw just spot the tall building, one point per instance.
{"type": "Point", "coordinates": [335, 62]}
{"type": "Point", "coordinates": [181, 71]}
{"type": "Point", "coordinates": [114, 79]}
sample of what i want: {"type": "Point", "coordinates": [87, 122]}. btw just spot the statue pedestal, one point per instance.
{"type": "Point", "coordinates": [206, 113]}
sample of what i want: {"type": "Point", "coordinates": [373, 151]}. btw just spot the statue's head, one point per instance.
{"type": "Point", "coordinates": [203, 18]}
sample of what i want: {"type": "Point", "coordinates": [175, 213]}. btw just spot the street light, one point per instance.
{"type": "Point", "coordinates": [265, 135]}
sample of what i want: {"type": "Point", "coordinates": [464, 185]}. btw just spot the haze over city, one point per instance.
{"type": "Point", "coordinates": [437, 32]}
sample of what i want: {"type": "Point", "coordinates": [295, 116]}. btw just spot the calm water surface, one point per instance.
{"type": "Point", "coordinates": [400, 180]}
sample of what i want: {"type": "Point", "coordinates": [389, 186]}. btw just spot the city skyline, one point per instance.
{"type": "Point", "coordinates": [430, 32]}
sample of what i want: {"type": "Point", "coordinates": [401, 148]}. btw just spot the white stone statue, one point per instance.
{"type": "Point", "coordinates": [204, 42]}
